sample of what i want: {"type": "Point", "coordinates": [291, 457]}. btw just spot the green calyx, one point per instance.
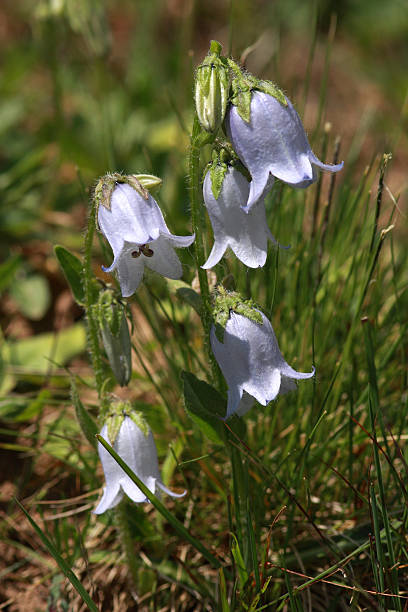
{"type": "Point", "coordinates": [142, 183]}
{"type": "Point", "coordinates": [223, 156]}
{"type": "Point", "coordinates": [243, 84]}
{"type": "Point", "coordinates": [226, 302]}
{"type": "Point", "coordinates": [118, 411]}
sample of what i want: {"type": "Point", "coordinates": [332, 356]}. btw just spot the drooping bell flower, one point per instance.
{"type": "Point", "coordinates": [135, 228]}
{"type": "Point", "coordinates": [273, 143]}
{"type": "Point", "coordinates": [246, 234]}
{"type": "Point", "coordinates": [134, 444]}
{"type": "Point", "coordinates": [251, 362]}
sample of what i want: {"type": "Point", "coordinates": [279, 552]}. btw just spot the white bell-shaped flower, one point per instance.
{"type": "Point", "coordinates": [138, 450]}
{"type": "Point", "coordinates": [139, 237]}
{"type": "Point", "coordinates": [252, 363]}
{"type": "Point", "coordinates": [273, 144]}
{"type": "Point", "coordinates": [247, 234]}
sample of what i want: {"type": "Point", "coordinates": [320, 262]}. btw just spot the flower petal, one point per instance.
{"type": "Point", "coordinates": [291, 373]}
{"type": "Point", "coordinates": [246, 403]}
{"type": "Point", "coordinates": [129, 270]}
{"type": "Point", "coordinates": [169, 491]}
{"type": "Point", "coordinates": [110, 498]}
{"type": "Point", "coordinates": [261, 184]}
{"type": "Point", "coordinates": [131, 218]}
{"type": "Point", "coordinates": [132, 490]}
{"type": "Point", "coordinates": [274, 141]}
{"type": "Point", "coordinates": [328, 167]}
{"type": "Point", "coordinates": [164, 260]}
{"type": "Point", "coordinates": [246, 234]}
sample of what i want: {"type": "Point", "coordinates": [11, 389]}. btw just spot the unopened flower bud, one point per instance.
{"type": "Point", "coordinates": [211, 89]}
{"type": "Point", "coordinates": [115, 335]}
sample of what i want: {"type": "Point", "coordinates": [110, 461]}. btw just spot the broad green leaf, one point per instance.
{"type": "Point", "coordinates": [32, 295]}
{"type": "Point", "coordinates": [36, 353]}
{"type": "Point", "coordinates": [205, 406]}
{"type": "Point", "coordinates": [72, 269]}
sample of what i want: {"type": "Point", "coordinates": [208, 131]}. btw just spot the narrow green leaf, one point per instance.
{"type": "Point", "coordinates": [72, 268]}
{"type": "Point", "coordinates": [223, 592]}
{"type": "Point", "coordinates": [205, 406]}
{"type": "Point", "coordinates": [78, 586]}
{"type": "Point", "coordinates": [87, 424]}
{"type": "Point", "coordinates": [239, 562]}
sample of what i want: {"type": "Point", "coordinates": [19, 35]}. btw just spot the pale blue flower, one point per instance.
{"type": "Point", "coordinates": [252, 363]}
{"type": "Point", "coordinates": [273, 144]}
{"type": "Point", "coordinates": [138, 450]}
{"type": "Point", "coordinates": [139, 237]}
{"type": "Point", "coordinates": [246, 234]}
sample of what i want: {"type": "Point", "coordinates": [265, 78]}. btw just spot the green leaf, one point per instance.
{"type": "Point", "coordinates": [240, 563]}
{"type": "Point", "coordinates": [72, 269]}
{"type": "Point", "coordinates": [36, 353]}
{"type": "Point", "coordinates": [32, 295]}
{"type": "Point", "coordinates": [18, 408]}
{"type": "Point", "coordinates": [185, 293]}
{"type": "Point", "coordinates": [205, 406]}
{"type": "Point", "coordinates": [64, 567]}
{"type": "Point", "coordinates": [223, 592]}
{"type": "Point", "coordinates": [8, 270]}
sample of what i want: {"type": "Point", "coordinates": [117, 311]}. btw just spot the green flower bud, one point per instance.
{"type": "Point", "coordinates": [115, 335]}
{"type": "Point", "coordinates": [148, 181]}
{"type": "Point", "coordinates": [211, 89]}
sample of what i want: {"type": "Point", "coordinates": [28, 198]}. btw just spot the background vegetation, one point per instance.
{"type": "Point", "coordinates": [89, 87]}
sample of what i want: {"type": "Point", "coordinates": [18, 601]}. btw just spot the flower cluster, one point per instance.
{"type": "Point", "coordinates": [266, 141]}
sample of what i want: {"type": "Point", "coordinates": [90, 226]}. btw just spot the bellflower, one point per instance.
{"type": "Point", "coordinates": [252, 363]}
{"type": "Point", "coordinates": [247, 234]}
{"type": "Point", "coordinates": [273, 144]}
{"type": "Point", "coordinates": [135, 445]}
{"type": "Point", "coordinates": [135, 228]}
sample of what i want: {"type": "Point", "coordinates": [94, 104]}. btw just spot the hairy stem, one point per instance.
{"type": "Point", "coordinates": [90, 297]}
{"type": "Point", "coordinates": [199, 138]}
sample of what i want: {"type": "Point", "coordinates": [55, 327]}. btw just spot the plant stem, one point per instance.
{"type": "Point", "coordinates": [93, 336]}
{"type": "Point", "coordinates": [199, 138]}
{"type": "Point", "coordinates": [123, 527]}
